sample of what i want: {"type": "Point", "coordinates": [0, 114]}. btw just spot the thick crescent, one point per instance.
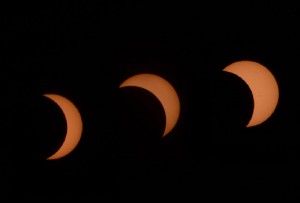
{"type": "Point", "coordinates": [263, 86]}
{"type": "Point", "coordinates": [165, 93]}
{"type": "Point", "coordinates": [74, 125]}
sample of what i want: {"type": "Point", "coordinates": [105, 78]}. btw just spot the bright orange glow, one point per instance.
{"type": "Point", "coordinates": [165, 93]}
{"type": "Point", "coordinates": [263, 85]}
{"type": "Point", "coordinates": [74, 125]}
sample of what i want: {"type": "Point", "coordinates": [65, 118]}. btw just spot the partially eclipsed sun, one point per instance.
{"type": "Point", "coordinates": [165, 93]}
{"type": "Point", "coordinates": [263, 86]}
{"type": "Point", "coordinates": [74, 125]}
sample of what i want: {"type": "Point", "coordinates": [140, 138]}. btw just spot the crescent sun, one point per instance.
{"type": "Point", "coordinates": [263, 86]}
{"type": "Point", "coordinates": [74, 125]}
{"type": "Point", "coordinates": [165, 93]}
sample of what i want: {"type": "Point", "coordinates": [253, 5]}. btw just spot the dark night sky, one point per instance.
{"type": "Point", "coordinates": [85, 50]}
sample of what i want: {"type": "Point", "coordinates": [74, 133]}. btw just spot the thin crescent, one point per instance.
{"type": "Point", "coordinates": [260, 81]}
{"type": "Point", "coordinates": [74, 125]}
{"type": "Point", "coordinates": [165, 93]}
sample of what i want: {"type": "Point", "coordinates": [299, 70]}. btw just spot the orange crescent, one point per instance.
{"type": "Point", "coordinates": [74, 125]}
{"type": "Point", "coordinates": [263, 86]}
{"type": "Point", "coordinates": [165, 93]}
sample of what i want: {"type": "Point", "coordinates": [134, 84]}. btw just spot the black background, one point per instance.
{"type": "Point", "coordinates": [85, 50]}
